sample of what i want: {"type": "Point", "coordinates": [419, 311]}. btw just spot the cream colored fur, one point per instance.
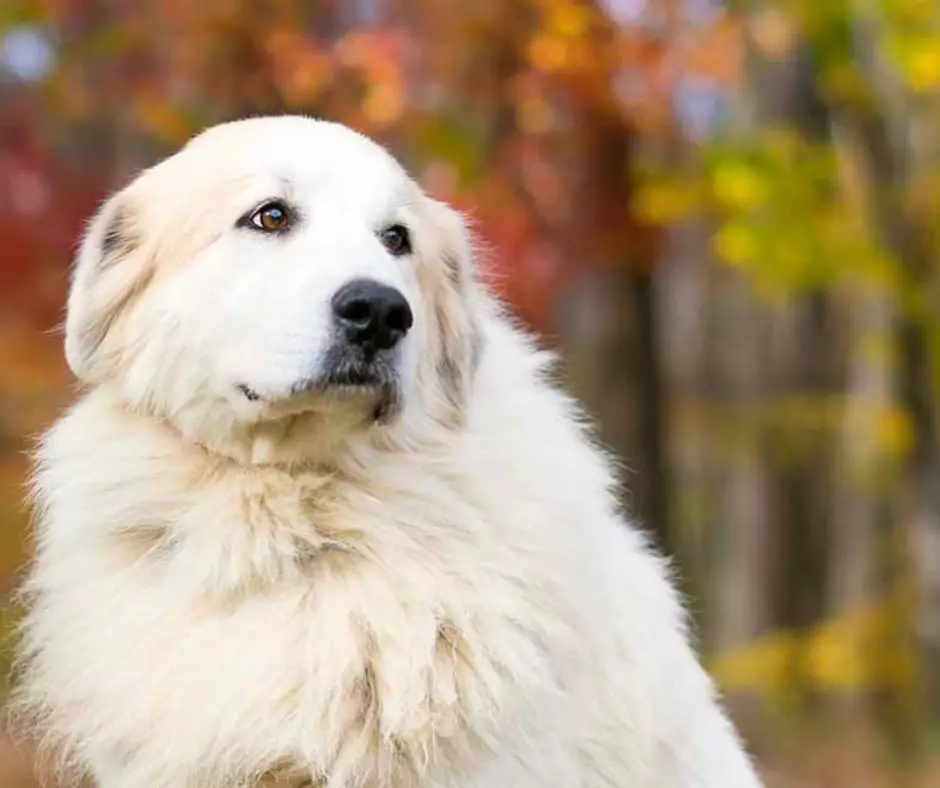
{"type": "Point", "coordinates": [233, 593]}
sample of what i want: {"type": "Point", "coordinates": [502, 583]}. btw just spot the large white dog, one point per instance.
{"type": "Point", "coordinates": [321, 518]}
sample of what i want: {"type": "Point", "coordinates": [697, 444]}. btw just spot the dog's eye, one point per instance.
{"type": "Point", "coordinates": [271, 217]}
{"type": "Point", "coordinates": [396, 239]}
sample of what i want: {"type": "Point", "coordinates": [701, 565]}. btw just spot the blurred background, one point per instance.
{"type": "Point", "coordinates": [726, 215]}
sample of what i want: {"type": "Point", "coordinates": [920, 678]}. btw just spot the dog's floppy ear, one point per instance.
{"type": "Point", "coordinates": [110, 268]}
{"type": "Point", "coordinates": [457, 308]}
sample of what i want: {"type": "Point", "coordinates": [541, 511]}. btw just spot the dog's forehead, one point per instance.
{"type": "Point", "coordinates": [325, 156]}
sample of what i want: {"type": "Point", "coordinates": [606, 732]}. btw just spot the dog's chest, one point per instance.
{"type": "Point", "coordinates": [333, 640]}
{"type": "Point", "coordinates": [295, 682]}
{"type": "Point", "coordinates": [247, 685]}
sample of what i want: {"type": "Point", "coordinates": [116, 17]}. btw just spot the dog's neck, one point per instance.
{"type": "Point", "coordinates": [324, 438]}
{"type": "Point", "coordinates": [215, 525]}
{"type": "Point", "coordinates": [252, 510]}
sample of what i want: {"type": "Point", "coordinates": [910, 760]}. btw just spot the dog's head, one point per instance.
{"type": "Point", "coordinates": [273, 269]}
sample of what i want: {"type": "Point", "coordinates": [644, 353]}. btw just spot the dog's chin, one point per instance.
{"type": "Point", "coordinates": [378, 397]}
{"type": "Point", "coordinates": [373, 390]}
{"type": "Point", "coordinates": [352, 379]}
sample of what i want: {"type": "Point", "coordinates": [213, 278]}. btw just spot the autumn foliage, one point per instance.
{"type": "Point", "coordinates": [490, 102]}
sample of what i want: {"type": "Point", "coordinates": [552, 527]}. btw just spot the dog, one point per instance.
{"type": "Point", "coordinates": [322, 515]}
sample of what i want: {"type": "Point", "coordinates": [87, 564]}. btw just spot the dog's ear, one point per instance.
{"type": "Point", "coordinates": [458, 305]}
{"type": "Point", "coordinates": [454, 244]}
{"type": "Point", "coordinates": [109, 270]}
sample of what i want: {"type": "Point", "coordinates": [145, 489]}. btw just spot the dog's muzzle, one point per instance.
{"type": "Point", "coordinates": [371, 319]}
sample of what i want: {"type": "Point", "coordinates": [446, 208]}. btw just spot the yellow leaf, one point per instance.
{"type": "Point", "coordinates": [919, 60]}
{"type": "Point", "coordinates": [660, 203]}
{"type": "Point", "coordinates": [860, 648]}
{"type": "Point", "coordinates": [782, 142]}
{"type": "Point", "coordinates": [548, 52]}
{"type": "Point", "coordinates": [161, 119]}
{"type": "Point", "coordinates": [914, 10]}
{"type": "Point", "coordinates": [844, 81]}
{"type": "Point", "coordinates": [835, 655]}
{"type": "Point", "coordinates": [384, 105]}
{"type": "Point", "coordinates": [736, 244]}
{"type": "Point", "coordinates": [758, 666]}
{"type": "Point", "coordinates": [738, 187]}
{"type": "Point", "coordinates": [894, 431]}
{"type": "Point", "coordinates": [923, 71]}
{"type": "Point", "coordinates": [569, 20]}
{"type": "Point", "coordinates": [878, 348]}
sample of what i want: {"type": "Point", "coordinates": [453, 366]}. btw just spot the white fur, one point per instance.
{"type": "Point", "coordinates": [280, 592]}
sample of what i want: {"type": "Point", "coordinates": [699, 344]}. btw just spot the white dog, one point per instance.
{"type": "Point", "coordinates": [322, 519]}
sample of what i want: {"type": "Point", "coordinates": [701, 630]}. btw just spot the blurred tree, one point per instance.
{"type": "Point", "coordinates": [817, 192]}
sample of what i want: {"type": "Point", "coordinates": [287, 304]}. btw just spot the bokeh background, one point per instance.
{"type": "Point", "coordinates": [726, 215]}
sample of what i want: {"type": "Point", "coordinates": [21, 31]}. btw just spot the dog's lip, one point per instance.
{"type": "Point", "coordinates": [360, 381]}
{"type": "Point", "coordinates": [356, 384]}
{"type": "Point", "coordinates": [354, 380]}
{"type": "Point", "coordinates": [356, 377]}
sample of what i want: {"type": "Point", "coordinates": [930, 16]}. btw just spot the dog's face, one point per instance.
{"type": "Point", "coordinates": [275, 267]}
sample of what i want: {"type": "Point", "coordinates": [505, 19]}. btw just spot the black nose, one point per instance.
{"type": "Point", "coordinates": [372, 315]}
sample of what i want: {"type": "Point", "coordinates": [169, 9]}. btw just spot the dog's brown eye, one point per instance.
{"type": "Point", "coordinates": [271, 218]}
{"type": "Point", "coordinates": [396, 240]}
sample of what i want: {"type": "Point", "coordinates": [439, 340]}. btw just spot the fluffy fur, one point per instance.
{"type": "Point", "coordinates": [285, 589]}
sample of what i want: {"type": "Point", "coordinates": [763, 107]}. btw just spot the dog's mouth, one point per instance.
{"type": "Point", "coordinates": [347, 378]}
{"type": "Point", "coordinates": [356, 376]}
{"type": "Point", "coordinates": [374, 380]}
